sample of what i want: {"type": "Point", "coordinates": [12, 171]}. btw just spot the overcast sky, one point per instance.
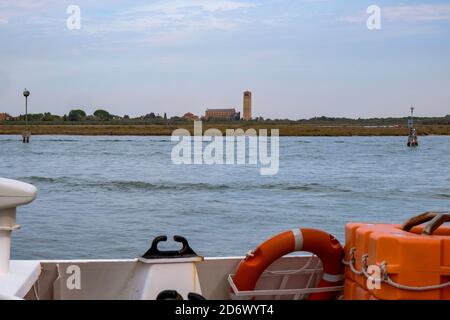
{"type": "Point", "coordinates": [300, 58]}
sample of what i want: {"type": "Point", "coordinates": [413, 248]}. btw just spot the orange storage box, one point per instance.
{"type": "Point", "coordinates": [353, 291]}
{"type": "Point", "coordinates": [413, 261]}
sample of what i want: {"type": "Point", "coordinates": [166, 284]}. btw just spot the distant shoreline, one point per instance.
{"type": "Point", "coordinates": [166, 130]}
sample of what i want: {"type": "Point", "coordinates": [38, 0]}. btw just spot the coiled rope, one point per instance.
{"type": "Point", "coordinates": [384, 275]}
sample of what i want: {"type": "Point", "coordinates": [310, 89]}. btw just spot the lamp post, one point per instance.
{"type": "Point", "coordinates": [26, 134]}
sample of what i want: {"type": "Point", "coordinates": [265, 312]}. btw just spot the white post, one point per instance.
{"type": "Point", "coordinates": [12, 194]}
{"type": "Point", "coordinates": [7, 225]}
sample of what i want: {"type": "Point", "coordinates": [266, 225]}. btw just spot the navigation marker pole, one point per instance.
{"type": "Point", "coordinates": [412, 138]}
{"type": "Point", "coordinates": [26, 134]}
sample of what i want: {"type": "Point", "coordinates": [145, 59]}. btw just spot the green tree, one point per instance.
{"type": "Point", "coordinates": [76, 115]}
{"type": "Point", "coordinates": [47, 117]}
{"type": "Point", "coordinates": [151, 115]}
{"type": "Point", "coordinates": [102, 114]}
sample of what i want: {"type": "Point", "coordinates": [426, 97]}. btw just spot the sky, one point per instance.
{"type": "Point", "coordinates": [300, 58]}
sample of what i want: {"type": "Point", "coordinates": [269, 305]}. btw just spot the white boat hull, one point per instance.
{"type": "Point", "coordinates": [135, 280]}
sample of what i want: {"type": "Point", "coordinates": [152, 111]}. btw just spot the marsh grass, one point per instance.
{"type": "Point", "coordinates": [286, 129]}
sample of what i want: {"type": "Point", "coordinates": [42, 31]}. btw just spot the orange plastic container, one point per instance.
{"type": "Point", "coordinates": [410, 259]}
{"type": "Point", "coordinates": [353, 291]}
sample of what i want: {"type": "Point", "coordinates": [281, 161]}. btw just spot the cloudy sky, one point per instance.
{"type": "Point", "coordinates": [301, 58]}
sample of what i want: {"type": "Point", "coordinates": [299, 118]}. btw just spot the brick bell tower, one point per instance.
{"type": "Point", "coordinates": [247, 105]}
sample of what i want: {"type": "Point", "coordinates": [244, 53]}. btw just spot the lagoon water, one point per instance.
{"type": "Point", "coordinates": [107, 197]}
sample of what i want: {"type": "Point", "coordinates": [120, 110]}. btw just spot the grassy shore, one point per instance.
{"type": "Point", "coordinates": [285, 129]}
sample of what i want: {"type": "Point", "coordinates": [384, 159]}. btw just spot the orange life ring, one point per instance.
{"type": "Point", "coordinates": [318, 242]}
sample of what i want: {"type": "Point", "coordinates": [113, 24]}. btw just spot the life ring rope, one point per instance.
{"type": "Point", "coordinates": [320, 243]}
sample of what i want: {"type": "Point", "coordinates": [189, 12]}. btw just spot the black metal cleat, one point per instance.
{"type": "Point", "coordinates": [154, 253]}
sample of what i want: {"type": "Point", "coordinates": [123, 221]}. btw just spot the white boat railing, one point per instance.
{"type": "Point", "coordinates": [298, 294]}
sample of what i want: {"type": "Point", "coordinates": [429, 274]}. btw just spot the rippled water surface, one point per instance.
{"type": "Point", "coordinates": [107, 197]}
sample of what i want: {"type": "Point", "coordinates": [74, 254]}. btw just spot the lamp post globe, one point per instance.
{"type": "Point", "coordinates": [26, 93]}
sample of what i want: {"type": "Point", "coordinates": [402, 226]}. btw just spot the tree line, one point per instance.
{"type": "Point", "coordinates": [79, 115]}
{"type": "Point", "coordinates": [102, 116]}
